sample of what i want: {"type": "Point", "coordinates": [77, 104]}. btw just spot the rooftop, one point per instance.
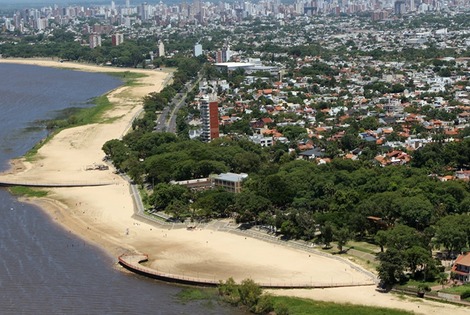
{"type": "Point", "coordinates": [231, 177]}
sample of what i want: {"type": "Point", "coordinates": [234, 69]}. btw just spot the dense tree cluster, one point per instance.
{"type": "Point", "coordinates": [292, 196]}
{"type": "Point", "coordinates": [300, 199]}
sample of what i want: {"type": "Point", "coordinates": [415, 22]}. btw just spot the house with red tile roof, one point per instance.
{"type": "Point", "coordinates": [461, 268]}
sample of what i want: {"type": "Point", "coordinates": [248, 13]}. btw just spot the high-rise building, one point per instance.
{"type": "Point", "coordinates": [117, 39]}
{"type": "Point", "coordinates": [144, 11]}
{"type": "Point", "coordinates": [197, 50]}
{"type": "Point", "coordinates": [210, 119]}
{"type": "Point", "coordinates": [95, 40]}
{"type": "Point", "coordinates": [161, 49]}
{"type": "Point", "coordinates": [223, 55]}
{"type": "Point", "coordinates": [399, 7]}
{"type": "Point", "coordinates": [218, 56]}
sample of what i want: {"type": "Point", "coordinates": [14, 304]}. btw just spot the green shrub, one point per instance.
{"type": "Point", "coordinates": [228, 291]}
{"type": "Point", "coordinates": [465, 294]}
{"type": "Point", "coordinates": [249, 293]}
{"type": "Point", "coordinates": [264, 305]}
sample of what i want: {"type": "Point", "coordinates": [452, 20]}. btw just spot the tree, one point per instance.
{"type": "Point", "coordinates": [293, 132]}
{"type": "Point", "coordinates": [391, 266]}
{"type": "Point", "coordinates": [342, 236]}
{"type": "Point", "coordinates": [402, 237]}
{"type": "Point", "coordinates": [249, 205]}
{"type": "Point", "coordinates": [214, 203]}
{"type": "Point", "coordinates": [178, 209]}
{"type": "Point", "coordinates": [443, 278]}
{"type": "Point", "coordinates": [164, 194]}
{"type": "Point", "coordinates": [381, 239]}
{"type": "Point", "coordinates": [415, 257]}
{"type": "Point", "coordinates": [246, 162]}
{"type": "Point", "coordinates": [117, 151]}
{"type": "Point", "coordinates": [452, 232]}
{"type": "Point", "coordinates": [415, 211]}
{"type": "Point", "coordinates": [327, 235]}
{"type": "Point", "coordinates": [249, 293]}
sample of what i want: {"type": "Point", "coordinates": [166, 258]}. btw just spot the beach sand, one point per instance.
{"type": "Point", "coordinates": [104, 215]}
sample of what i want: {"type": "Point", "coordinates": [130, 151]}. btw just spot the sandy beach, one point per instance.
{"type": "Point", "coordinates": [104, 215]}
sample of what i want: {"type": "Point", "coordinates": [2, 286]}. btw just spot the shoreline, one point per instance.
{"type": "Point", "coordinates": [104, 216]}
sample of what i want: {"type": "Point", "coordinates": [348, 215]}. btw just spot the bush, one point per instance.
{"type": "Point", "coordinates": [465, 294]}
{"type": "Point", "coordinates": [264, 305]}
{"type": "Point", "coordinates": [282, 309]}
{"type": "Point", "coordinates": [249, 293]}
{"type": "Point", "coordinates": [228, 290]}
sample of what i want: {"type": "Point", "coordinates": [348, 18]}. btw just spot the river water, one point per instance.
{"type": "Point", "coordinates": [43, 268]}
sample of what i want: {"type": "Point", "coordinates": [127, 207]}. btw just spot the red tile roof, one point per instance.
{"type": "Point", "coordinates": [463, 260]}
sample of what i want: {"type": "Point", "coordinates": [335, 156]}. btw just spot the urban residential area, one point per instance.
{"type": "Point", "coordinates": [341, 126]}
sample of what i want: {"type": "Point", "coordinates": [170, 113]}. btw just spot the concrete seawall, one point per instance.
{"type": "Point", "coordinates": [133, 263]}
{"type": "Point", "coordinates": [9, 183]}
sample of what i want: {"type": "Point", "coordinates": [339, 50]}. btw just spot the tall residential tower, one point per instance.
{"type": "Point", "coordinates": [210, 119]}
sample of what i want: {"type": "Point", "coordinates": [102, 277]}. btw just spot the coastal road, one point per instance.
{"type": "Point", "coordinates": [161, 120]}
{"type": "Point", "coordinates": [167, 119]}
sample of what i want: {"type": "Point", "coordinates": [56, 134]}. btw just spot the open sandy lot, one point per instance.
{"type": "Point", "coordinates": [104, 215]}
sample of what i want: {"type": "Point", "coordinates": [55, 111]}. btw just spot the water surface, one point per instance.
{"type": "Point", "coordinates": [44, 269]}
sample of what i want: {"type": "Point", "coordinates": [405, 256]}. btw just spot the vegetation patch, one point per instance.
{"type": "Point", "coordinates": [129, 78]}
{"type": "Point", "coordinates": [196, 294]}
{"type": "Point", "coordinates": [27, 192]}
{"type": "Point", "coordinates": [250, 296]}
{"type": "Point", "coordinates": [83, 116]}
{"type": "Point", "coordinates": [462, 290]}
{"type": "Point", "coordinates": [31, 154]}
{"type": "Point", "coordinates": [300, 306]}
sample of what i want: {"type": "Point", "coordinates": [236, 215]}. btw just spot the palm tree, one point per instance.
{"type": "Point", "coordinates": [443, 278]}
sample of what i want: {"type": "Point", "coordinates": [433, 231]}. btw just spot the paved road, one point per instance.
{"type": "Point", "coordinates": [161, 120]}
{"type": "Point", "coordinates": [166, 121]}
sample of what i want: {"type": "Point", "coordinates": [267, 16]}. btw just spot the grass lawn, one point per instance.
{"type": "Point", "coordinates": [415, 283]}
{"type": "Point", "coordinates": [298, 306]}
{"type": "Point", "coordinates": [128, 77]}
{"type": "Point", "coordinates": [196, 294]}
{"type": "Point", "coordinates": [295, 306]}
{"type": "Point", "coordinates": [413, 286]}
{"type": "Point", "coordinates": [364, 247]}
{"type": "Point", "coordinates": [27, 191]}
{"type": "Point", "coordinates": [461, 290]}
{"type": "Point", "coordinates": [457, 289]}
{"type": "Point", "coordinates": [366, 263]}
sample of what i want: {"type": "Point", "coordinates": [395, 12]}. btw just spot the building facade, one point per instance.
{"type": "Point", "coordinates": [117, 39]}
{"type": "Point", "coordinates": [232, 182]}
{"type": "Point", "coordinates": [197, 50]}
{"type": "Point", "coordinates": [461, 268]}
{"type": "Point", "coordinates": [95, 40]}
{"type": "Point", "coordinates": [161, 49]}
{"type": "Point", "coordinates": [210, 119]}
